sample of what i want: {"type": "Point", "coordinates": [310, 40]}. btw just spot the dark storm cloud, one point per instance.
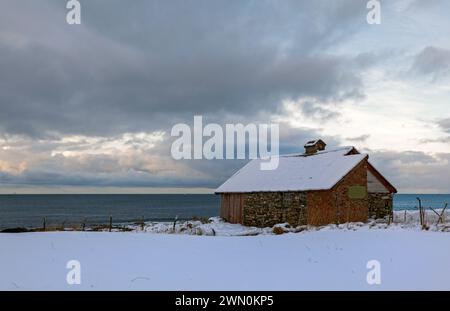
{"type": "Point", "coordinates": [316, 111]}
{"type": "Point", "coordinates": [445, 124]}
{"type": "Point", "coordinates": [432, 61]}
{"type": "Point", "coordinates": [424, 4]}
{"type": "Point", "coordinates": [145, 65]}
{"type": "Point", "coordinates": [445, 140]}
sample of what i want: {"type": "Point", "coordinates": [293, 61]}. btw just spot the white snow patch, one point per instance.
{"type": "Point", "coordinates": [326, 259]}
{"type": "Point", "coordinates": [214, 227]}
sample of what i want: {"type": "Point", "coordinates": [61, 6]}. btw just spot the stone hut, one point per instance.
{"type": "Point", "coordinates": [317, 187]}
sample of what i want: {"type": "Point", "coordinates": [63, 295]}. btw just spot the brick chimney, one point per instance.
{"type": "Point", "coordinates": [311, 147]}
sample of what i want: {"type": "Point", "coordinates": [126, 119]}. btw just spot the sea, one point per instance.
{"type": "Point", "coordinates": [67, 210]}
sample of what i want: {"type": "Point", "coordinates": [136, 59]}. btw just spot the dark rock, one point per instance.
{"type": "Point", "coordinates": [15, 230]}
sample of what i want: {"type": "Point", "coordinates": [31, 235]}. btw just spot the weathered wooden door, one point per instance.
{"type": "Point", "coordinates": [232, 207]}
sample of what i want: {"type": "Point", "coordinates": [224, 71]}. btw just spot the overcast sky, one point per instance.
{"type": "Point", "coordinates": [89, 108]}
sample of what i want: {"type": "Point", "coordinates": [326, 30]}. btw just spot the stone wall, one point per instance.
{"type": "Point", "coordinates": [380, 205]}
{"type": "Point", "coordinates": [265, 209]}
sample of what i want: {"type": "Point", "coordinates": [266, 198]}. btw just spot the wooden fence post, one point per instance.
{"type": "Point", "coordinates": [175, 222]}
{"type": "Point", "coordinates": [420, 211]}
{"type": "Point", "coordinates": [83, 226]}
{"type": "Point", "coordinates": [442, 217]}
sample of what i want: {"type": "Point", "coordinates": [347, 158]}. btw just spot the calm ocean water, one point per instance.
{"type": "Point", "coordinates": [29, 210]}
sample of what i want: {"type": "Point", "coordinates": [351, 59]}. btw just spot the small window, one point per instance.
{"type": "Point", "coordinates": [357, 192]}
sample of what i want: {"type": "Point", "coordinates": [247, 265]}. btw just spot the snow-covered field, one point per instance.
{"type": "Point", "coordinates": [326, 259]}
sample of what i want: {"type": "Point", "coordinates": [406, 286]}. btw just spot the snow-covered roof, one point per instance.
{"type": "Point", "coordinates": [296, 172]}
